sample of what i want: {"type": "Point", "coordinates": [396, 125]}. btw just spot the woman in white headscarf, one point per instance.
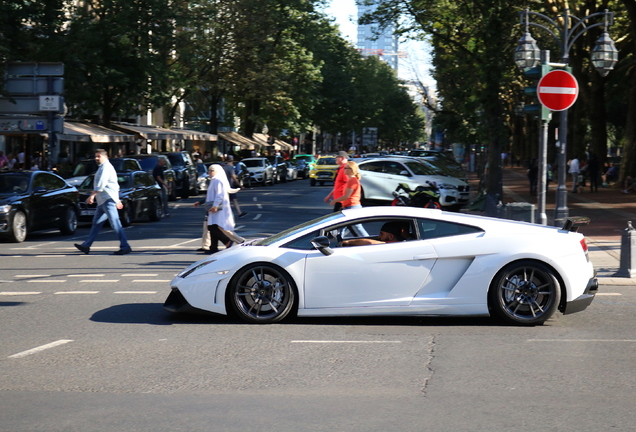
{"type": "Point", "coordinates": [218, 204]}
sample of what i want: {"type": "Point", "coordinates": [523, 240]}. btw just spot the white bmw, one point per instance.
{"type": "Point", "coordinates": [446, 264]}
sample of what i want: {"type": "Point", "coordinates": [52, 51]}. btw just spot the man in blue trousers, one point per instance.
{"type": "Point", "coordinates": [106, 193]}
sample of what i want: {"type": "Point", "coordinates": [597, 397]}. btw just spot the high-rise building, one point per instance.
{"type": "Point", "coordinates": [384, 45]}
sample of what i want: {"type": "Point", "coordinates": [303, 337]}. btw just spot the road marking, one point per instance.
{"type": "Point", "coordinates": [135, 292]}
{"type": "Point", "coordinates": [141, 274]}
{"type": "Point", "coordinates": [28, 276]}
{"type": "Point", "coordinates": [50, 256]}
{"type": "Point", "coordinates": [77, 292]}
{"type": "Point", "coordinates": [609, 294]}
{"type": "Point", "coordinates": [343, 342]}
{"type": "Point", "coordinates": [99, 280]}
{"type": "Point", "coordinates": [46, 281]}
{"type": "Point", "coordinates": [41, 348]}
{"type": "Point", "coordinates": [581, 340]}
{"type": "Point", "coordinates": [86, 275]}
{"type": "Point", "coordinates": [257, 217]}
{"type": "Point", "coordinates": [152, 280]}
{"type": "Point", "coordinates": [17, 293]}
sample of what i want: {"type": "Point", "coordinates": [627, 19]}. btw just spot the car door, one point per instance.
{"type": "Point", "coordinates": [373, 180]}
{"type": "Point", "coordinates": [381, 275]}
{"type": "Point", "coordinates": [48, 205]}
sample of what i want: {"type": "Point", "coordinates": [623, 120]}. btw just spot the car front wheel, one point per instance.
{"type": "Point", "coordinates": [69, 224]}
{"type": "Point", "coordinates": [261, 293]}
{"type": "Point", "coordinates": [524, 292]}
{"type": "Point", "coordinates": [18, 231]}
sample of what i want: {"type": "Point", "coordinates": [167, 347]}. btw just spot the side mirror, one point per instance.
{"type": "Point", "coordinates": [405, 173]}
{"type": "Point", "coordinates": [323, 245]}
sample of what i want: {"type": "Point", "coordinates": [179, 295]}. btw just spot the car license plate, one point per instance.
{"type": "Point", "coordinates": [324, 175]}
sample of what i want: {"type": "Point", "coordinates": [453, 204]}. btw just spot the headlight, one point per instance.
{"type": "Point", "coordinates": [446, 186]}
{"type": "Point", "coordinates": [5, 208]}
{"type": "Point", "coordinates": [187, 272]}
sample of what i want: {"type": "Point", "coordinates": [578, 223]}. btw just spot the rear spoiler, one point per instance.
{"type": "Point", "coordinates": [573, 223]}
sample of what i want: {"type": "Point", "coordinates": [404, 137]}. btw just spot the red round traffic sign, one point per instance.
{"type": "Point", "coordinates": [557, 90]}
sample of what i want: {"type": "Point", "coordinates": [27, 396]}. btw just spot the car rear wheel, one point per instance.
{"type": "Point", "coordinates": [261, 293]}
{"type": "Point", "coordinates": [525, 292]}
{"type": "Point", "coordinates": [18, 230]}
{"type": "Point", "coordinates": [125, 216]}
{"type": "Point", "coordinates": [69, 224]}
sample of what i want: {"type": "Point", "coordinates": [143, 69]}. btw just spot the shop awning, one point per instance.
{"type": "Point", "coordinates": [239, 140]}
{"type": "Point", "coordinates": [88, 132]}
{"type": "Point", "coordinates": [278, 144]}
{"type": "Point", "coordinates": [151, 132]}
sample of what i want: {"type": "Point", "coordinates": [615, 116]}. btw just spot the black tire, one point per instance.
{"type": "Point", "coordinates": [261, 293]}
{"type": "Point", "coordinates": [312, 182]}
{"type": "Point", "coordinates": [173, 193]}
{"type": "Point", "coordinates": [156, 211]}
{"type": "Point", "coordinates": [524, 293]}
{"type": "Point", "coordinates": [125, 216]}
{"type": "Point", "coordinates": [69, 224]}
{"type": "Point", "coordinates": [185, 188]}
{"type": "Point", "coordinates": [18, 231]}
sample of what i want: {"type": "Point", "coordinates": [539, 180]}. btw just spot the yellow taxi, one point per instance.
{"type": "Point", "coordinates": [324, 171]}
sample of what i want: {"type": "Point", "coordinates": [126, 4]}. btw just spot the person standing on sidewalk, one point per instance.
{"type": "Point", "coordinates": [575, 170]}
{"type": "Point", "coordinates": [106, 194]}
{"type": "Point", "coordinates": [158, 174]}
{"type": "Point", "coordinates": [340, 181]}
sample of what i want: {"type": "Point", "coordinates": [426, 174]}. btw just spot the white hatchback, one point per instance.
{"type": "Point", "coordinates": [380, 177]}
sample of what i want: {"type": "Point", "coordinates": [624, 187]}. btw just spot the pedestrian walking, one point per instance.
{"type": "Point", "coordinates": [353, 191]}
{"type": "Point", "coordinates": [106, 194]}
{"type": "Point", "coordinates": [230, 172]}
{"type": "Point", "coordinates": [340, 181]}
{"type": "Point", "coordinates": [217, 204]}
{"type": "Point", "coordinates": [575, 170]}
{"type": "Point", "coordinates": [160, 177]}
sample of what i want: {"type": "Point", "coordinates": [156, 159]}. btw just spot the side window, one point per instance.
{"type": "Point", "coordinates": [394, 168]}
{"type": "Point", "coordinates": [304, 242]}
{"type": "Point", "coordinates": [372, 166]}
{"type": "Point", "coordinates": [430, 229]}
{"type": "Point", "coordinates": [48, 181]}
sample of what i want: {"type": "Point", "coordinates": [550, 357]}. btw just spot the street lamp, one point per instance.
{"type": "Point", "coordinates": [604, 57]}
{"type": "Point", "coordinates": [527, 52]}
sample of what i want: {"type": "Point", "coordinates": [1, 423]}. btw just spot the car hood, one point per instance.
{"type": "Point", "coordinates": [10, 198]}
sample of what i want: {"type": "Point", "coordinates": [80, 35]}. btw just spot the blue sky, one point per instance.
{"type": "Point", "coordinates": [416, 66]}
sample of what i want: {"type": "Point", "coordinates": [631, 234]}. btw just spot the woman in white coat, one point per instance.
{"type": "Point", "coordinates": [219, 212]}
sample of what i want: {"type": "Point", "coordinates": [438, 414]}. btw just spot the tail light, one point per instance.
{"type": "Point", "coordinates": [584, 245]}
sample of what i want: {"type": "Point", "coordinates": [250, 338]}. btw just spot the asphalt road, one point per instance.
{"type": "Point", "coordinates": [87, 346]}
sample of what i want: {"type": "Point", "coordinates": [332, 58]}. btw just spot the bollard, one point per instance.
{"type": "Point", "coordinates": [628, 257]}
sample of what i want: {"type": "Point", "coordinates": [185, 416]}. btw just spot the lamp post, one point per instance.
{"type": "Point", "coordinates": [527, 55]}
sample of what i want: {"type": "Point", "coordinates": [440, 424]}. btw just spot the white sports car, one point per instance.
{"type": "Point", "coordinates": [440, 264]}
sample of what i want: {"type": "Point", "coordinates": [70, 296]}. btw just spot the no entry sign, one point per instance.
{"type": "Point", "coordinates": [557, 90]}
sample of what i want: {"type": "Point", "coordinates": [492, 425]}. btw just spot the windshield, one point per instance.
{"type": "Point", "coordinates": [326, 161]}
{"type": "Point", "coordinates": [304, 158]}
{"type": "Point", "coordinates": [85, 168]}
{"type": "Point", "coordinates": [176, 160]}
{"type": "Point", "coordinates": [251, 163]}
{"type": "Point", "coordinates": [148, 164]}
{"type": "Point", "coordinates": [422, 168]}
{"type": "Point", "coordinates": [14, 183]}
{"type": "Point", "coordinates": [298, 228]}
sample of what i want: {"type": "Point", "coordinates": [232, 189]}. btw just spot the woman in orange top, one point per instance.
{"type": "Point", "coordinates": [352, 191]}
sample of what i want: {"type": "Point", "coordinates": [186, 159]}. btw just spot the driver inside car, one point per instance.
{"type": "Point", "coordinates": [391, 232]}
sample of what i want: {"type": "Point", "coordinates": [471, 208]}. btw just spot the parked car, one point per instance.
{"type": "Point", "coordinates": [308, 158]}
{"type": "Point", "coordinates": [261, 171]}
{"type": "Point", "coordinates": [185, 173]}
{"type": "Point", "coordinates": [148, 163]}
{"type": "Point", "coordinates": [292, 171]}
{"type": "Point", "coordinates": [448, 264]}
{"type": "Point", "coordinates": [302, 167]}
{"type": "Point", "coordinates": [36, 200]}
{"type": "Point", "coordinates": [380, 177]}
{"type": "Point", "coordinates": [324, 171]}
{"type": "Point", "coordinates": [243, 174]}
{"type": "Point", "coordinates": [280, 168]}
{"type": "Point", "coordinates": [138, 191]}
{"type": "Point", "coordinates": [203, 179]}
{"type": "Point", "coordinates": [87, 167]}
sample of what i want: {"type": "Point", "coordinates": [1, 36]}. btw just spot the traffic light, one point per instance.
{"type": "Point", "coordinates": [536, 109]}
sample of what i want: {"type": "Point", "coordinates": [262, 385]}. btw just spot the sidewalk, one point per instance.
{"type": "Point", "coordinates": [609, 211]}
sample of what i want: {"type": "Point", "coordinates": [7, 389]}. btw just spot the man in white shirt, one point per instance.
{"type": "Point", "coordinates": [106, 193]}
{"type": "Point", "coordinates": [575, 169]}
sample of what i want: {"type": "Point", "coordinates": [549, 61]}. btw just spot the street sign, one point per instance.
{"type": "Point", "coordinates": [49, 103]}
{"type": "Point", "coordinates": [30, 105]}
{"type": "Point", "coordinates": [557, 90]}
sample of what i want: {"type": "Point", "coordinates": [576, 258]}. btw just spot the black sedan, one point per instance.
{"type": "Point", "coordinates": [36, 200]}
{"type": "Point", "coordinates": [138, 191]}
